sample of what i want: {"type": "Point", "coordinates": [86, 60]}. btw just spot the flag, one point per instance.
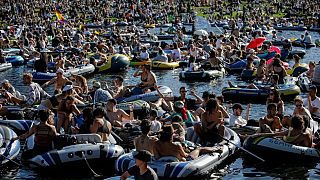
{"type": "Point", "coordinates": [60, 17]}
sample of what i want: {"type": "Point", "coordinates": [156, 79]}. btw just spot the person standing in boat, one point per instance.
{"type": "Point", "coordinates": [59, 81]}
{"type": "Point", "coordinates": [44, 133]}
{"type": "Point", "coordinates": [116, 116]}
{"type": "Point", "coordinates": [141, 170]}
{"type": "Point", "coordinates": [35, 93]}
{"type": "Point", "coordinates": [98, 94]}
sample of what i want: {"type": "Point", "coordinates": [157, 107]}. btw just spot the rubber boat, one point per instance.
{"type": "Point", "coordinates": [243, 94]}
{"type": "Point", "coordinates": [83, 70]}
{"type": "Point", "coordinates": [201, 75]}
{"type": "Point", "coordinates": [140, 63]}
{"type": "Point", "coordinates": [275, 149]}
{"type": "Point", "coordinates": [69, 157]}
{"type": "Point", "coordinates": [267, 55]}
{"type": "Point", "coordinates": [170, 168]}
{"type": "Point", "coordinates": [9, 149]}
{"type": "Point", "coordinates": [150, 26]}
{"type": "Point", "coordinates": [290, 28]}
{"type": "Point", "coordinates": [300, 53]}
{"type": "Point", "coordinates": [5, 66]}
{"type": "Point", "coordinates": [150, 96]}
{"type": "Point", "coordinates": [115, 63]}
{"type": "Point", "coordinates": [159, 65]}
{"type": "Point", "coordinates": [296, 71]}
{"type": "Point", "coordinates": [15, 60]}
{"type": "Point", "coordinates": [238, 66]}
{"type": "Point", "coordinates": [18, 126]}
{"type": "Point", "coordinates": [297, 43]}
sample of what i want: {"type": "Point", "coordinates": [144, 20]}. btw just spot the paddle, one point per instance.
{"type": "Point", "coordinates": [243, 149]}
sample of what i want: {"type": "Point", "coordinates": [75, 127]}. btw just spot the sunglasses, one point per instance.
{"type": "Point", "coordinates": [183, 91]}
{"type": "Point", "coordinates": [298, 105]}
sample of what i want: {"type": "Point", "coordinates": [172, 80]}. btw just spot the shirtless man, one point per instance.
{"type": "Point", "coordinates": [119, 89]}
{"type": "Point", "coordinates": [59, 81]}
{"type": "Point", "coordinates": [115, 115]}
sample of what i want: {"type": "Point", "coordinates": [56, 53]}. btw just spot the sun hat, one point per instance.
{"type": "Point", "coordinates": [143, 155]}
{"type": "Point", "coordinates": [97, 84]}
{"type": "Point", "coordinates": [59, 70]}
{"type": "Point", "coordinates": [298, 98]}
{"type": "Point", "coordinates": [67, 88]}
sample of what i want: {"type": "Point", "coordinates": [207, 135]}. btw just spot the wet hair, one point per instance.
{"type": "Point", "coordinates": [297, 122]}
{"type": "Point", "coordinates": [211, 105]}
{"type": "Point", "coordinates": [148, 67]}
{"type": "Point", "coordinates": [145, 126]}
{"type": "Point", "coordinates": [177, 118]}
{"type": "Point", "coordinates": [99, 112]}
{"type": "Point", "coordinates": [120, 78]}
{"type": "Point", "coordinates": [271, 105]}
{"type": "Point", "coordinates": [276, 96]}
{"type": "Point", "coordinates": [88, 114]}
{"type": "Point", "coordinates": [114, 101]}
{"type": "Point", "coordinates": [44, 115]}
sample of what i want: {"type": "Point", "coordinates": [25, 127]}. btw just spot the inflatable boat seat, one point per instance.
{"type": "Point", "coordinates": [90, 138]}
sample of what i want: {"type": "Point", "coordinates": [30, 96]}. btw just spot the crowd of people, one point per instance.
{"type": "Point", "coordinates": [33, 28]}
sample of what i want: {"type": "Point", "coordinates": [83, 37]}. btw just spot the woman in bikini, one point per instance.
{"type": "Point", "coordinates": [100, 125]}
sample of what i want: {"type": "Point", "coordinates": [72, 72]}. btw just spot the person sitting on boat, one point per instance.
{"type": "Point", "coordinates": [35, 93]}
{"type": "Point", "coordinates": [250, 65]}
{"type": "Point", "coordinates": [271, 122]}
{"type": "Point", "coordinates": [2, 58]}
{"type": "Point", "coordinates": [166, 147]}
{"type": "Point", "coordinates": [79, 83]}
{"type": "Point", "coordinates": [148, 80]}
{"type": "Point", "coordinates": [274, 97]}
{"type": "Point", "coordinates": [176, 52]}
{"type": "Point", "coordinates": [235, 118]}
{"type": "Point", "coordinates": [100, 125]}
{"type": "Point", "coordinates": [215, 62]}
{"type": "Point", "coordinates": [162, 56]}
{"type": "Point", "coordinates": [192, 64]}
{"type": "Point", "coordinates": [44, 132]}
{"type": "Point", "coordinates": [278, 69]}
{"type": "Point", "coordinates": [54, 100]}
{"type": "Point", "coordinates": [117, 116]}
{"type": "Point", "coordinates": [7, 86]}
{"type": "Point", "coordinates": [298, 110]}
{"type": "Point", "coordinates": [66, 109]}
{"type": "Point", "coordinates": [119, 89]}
{"type": "Point", "coordinates": [179, 132]}
{"type": "Point", "coordinates": [313, 103]}
{"type": "Point", "coordinates": [261, 71]}
{"type": "Point", "coordinates": [311, 70]}
{"type": "Point", "coordinates": [141, 170]}
{"type": "Point", "coordinates": [307, 39]}
{"type": "Point", "coordinates": [59, 81]}
{"type": "Point", "coordinates": [145, 141]}
{"type": "Point", "coordinates": [297, 61]}
{"type": "Point", "coordinates": [252, 55]}
{"type": "Point", "coordinates": [296, 134]}
{"type": "Point", "coordinates": [144, 55]}
{"type": "Point", "coordinates": [155, 123]}
{"type": "Point", "coordinates": [98, 94]}
{"type": "Point", "coordinates": [87, 114]}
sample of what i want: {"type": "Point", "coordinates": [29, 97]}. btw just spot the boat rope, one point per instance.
{"type": "Point", "coordinates": [93, 172]}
